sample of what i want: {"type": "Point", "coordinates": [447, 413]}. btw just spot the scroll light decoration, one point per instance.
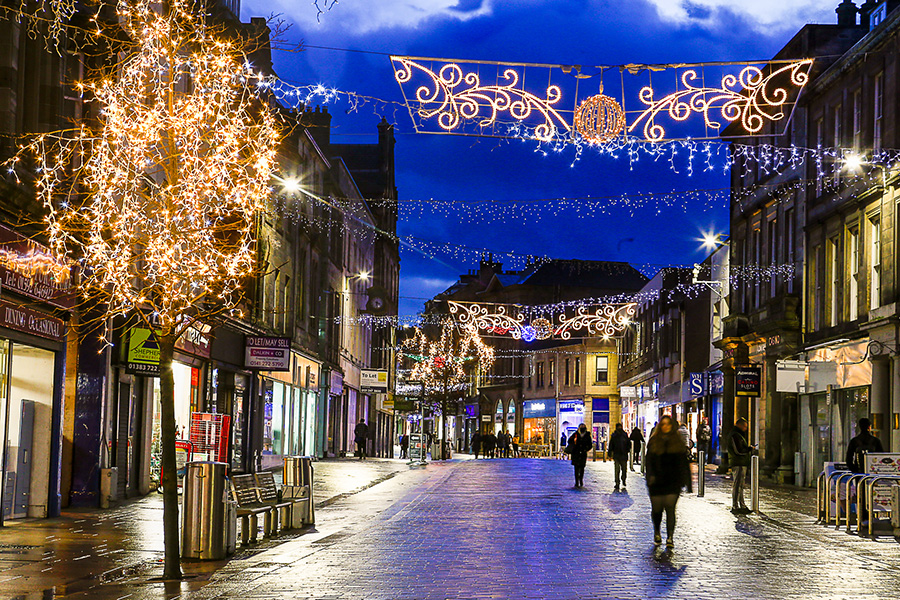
{"type": "Point", "coordinates": [752, 97]}
{"type": "Point", "coordinates": [604, 321]}
{"type": "Point", "coordinates": [453, 96]}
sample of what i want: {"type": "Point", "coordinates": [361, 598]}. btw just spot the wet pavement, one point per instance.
{"type": "Point", "coordinates": [496, 529]}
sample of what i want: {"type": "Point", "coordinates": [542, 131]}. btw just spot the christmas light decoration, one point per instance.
{"type": "Point", "coordinates": [599, 119]}
{"type": "Point", "coordinates": [446, 363]}
{"type": "Point", "coordinates": [753, 97]}
{"type": "Point", "coordinates": [606, 321]}
{"type": "Point", "coordinates": [452, 95]}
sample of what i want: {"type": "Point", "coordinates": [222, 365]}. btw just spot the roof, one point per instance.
{"type": "Point", "coordinates": [606, 275]}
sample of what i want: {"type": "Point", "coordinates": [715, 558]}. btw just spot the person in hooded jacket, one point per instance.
{"type": "Point", "coordinates": [666, 469]}
{"type": "Point", "coordinates": [581, 444]}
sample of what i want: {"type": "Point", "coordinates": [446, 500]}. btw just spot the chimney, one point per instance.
{"type": "Point", "coordinates": [318, 123]}
{"type": "Point", "coordinates": [846, 13]}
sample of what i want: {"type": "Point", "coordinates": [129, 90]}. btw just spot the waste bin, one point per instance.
{"type": "Point", "coordinates": [203, 525]}
{"type": "Point", "coordinates": [298, 484]}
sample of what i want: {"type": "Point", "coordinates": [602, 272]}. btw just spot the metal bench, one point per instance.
{"type": "Point", "coordinates": [268, 494]}
{"type": "Point", "coordinates": [249, 508]}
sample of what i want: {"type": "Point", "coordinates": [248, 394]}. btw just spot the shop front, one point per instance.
{"type": "Point", "coordinates": [539, 422]}
{"type": "Point", "coordinates": [32, 371]}
{"type": "Point", "coordinates": [571, 415]}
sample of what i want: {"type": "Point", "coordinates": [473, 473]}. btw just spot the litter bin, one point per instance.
{"type": "Point", "coordinates": [203, 525]}
{"type": "Point", "coordinates": [298, 487]}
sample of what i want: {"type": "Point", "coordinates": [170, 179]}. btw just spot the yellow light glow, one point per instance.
{"type": "Point", "coordinates": [364, 276]}
{"type": "Point", "coordinates": [710, 240]}
{"type": "Point", "coordinates": [854, 162]}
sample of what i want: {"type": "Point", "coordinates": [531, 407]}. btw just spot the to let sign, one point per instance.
{"type": "Point", "coordinates": [267, 353]}
{"type": "Point", "coordinates": [747, 381]}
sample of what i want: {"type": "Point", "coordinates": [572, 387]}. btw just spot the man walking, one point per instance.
{"type": "Point", "coordinates": [619, 444]}
{"type": "Point", "coordinates": [360, 435]}
{"type": "Point", "coordinates": [859, 446]}
{"type": "Point", "coordinates": [739, 452]}
{"type": "Point", "coordinates": [704, 437]}
{"type": "Point", "coordinates": [637, 442]}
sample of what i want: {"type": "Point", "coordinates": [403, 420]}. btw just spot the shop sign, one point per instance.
{"type": "Point", "coordinates": [306, 372]}
{"type": "Point", "coordinates": [404, 405]}
{"type": "Point", "coordinates": [373, 381]}
{"type": "Point", "coordinates": [697, 385]}
{"type": "Point", "coordinates": [143, 352]}
{"type": "Point", "coordinates": [535, 409]}
{"type": "Point", "coordinates": [337, 383]}
{"type": "Point", "coordinates": [387, 404]}
{"type": "Point", "coordinates": [882, 464]}
{"type": "Point", "coordinates": [416, 448]}
{"type": "Point", "coordinates": [716, 380]}
{"type": "Point", "coordinates": [29, 268]}
{"type": "Point", "coordinates": [267, 353]}
{"type": "Point", "coordinates": [576, 406]}
{"type": "Point", "coordinates": [628, 391]}
{"type": "Point", "coordinates": [196, 340]}
{"type": "Point", "coordinates": [486, 418]}
{"type": "Point", "coordinates": [31, 321]}
{"type": "Point", "coordinates": [747, 381]}
{"type": "Point", "coordinates": [472, 410]}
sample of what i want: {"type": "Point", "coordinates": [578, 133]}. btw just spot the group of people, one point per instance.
{"type": "Point", "coordinates": [500, 445]}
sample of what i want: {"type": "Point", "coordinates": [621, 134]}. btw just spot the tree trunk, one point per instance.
{"type": "Point", "coordinates": [172, 569]}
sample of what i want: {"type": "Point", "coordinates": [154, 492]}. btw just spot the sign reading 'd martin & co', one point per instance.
{"type": "Point", "coordinates": [267, 353]}
{"type": "Point", "coordinates": [747, 381]}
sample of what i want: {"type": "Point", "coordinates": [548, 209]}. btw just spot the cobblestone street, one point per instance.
{"type": "Point", "coordinates": [517, 529]}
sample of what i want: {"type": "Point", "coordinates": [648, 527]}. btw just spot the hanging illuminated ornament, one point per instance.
{"type": "Point", "coordinates": [543, 328]}
{"type": "Point", "coordinates": [599, 119]}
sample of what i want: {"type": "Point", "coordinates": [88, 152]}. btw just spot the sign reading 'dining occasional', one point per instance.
{"type": "Point", "coordinates": [747, 381]}
{"type": "Point", "coordinates": [267, 353]}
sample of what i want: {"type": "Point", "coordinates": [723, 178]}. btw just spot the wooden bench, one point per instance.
{"type": "Point", "coordinates": [268, 494]}
{"type": "Point", "coordinates": [249, 507]}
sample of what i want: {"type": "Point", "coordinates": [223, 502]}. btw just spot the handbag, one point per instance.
{"type": "Point", "coordinates": [570, 449]}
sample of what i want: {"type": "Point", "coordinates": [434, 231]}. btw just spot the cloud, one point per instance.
{"type": "Point", "coordinates": [430, 285]}
{"type": "Point", "coordinates": [761, 14]}
{"type": "Point", "coordinates": [366, 16]}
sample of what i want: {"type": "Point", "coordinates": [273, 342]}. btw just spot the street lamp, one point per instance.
{"type": "Point", "coordinates": [854, 162]}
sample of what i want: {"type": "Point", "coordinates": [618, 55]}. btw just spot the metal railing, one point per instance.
{"type": "Point", "coordinates": [869, 483]}
{"type": "Point", "coordinates": [823, 494]}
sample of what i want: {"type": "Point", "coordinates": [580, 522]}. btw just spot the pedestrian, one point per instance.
{"type": "Point", "coordinates": [476, 444]}
{"type": "Point", "coordinates": [404, 446]}
{"type": "Point", "coordinates": [619, 445]}
{"type": "Point", "coordinates": [507, 442]}
{"type": "Point", "coordinates": [489, 442]}
{"type": "Point", "coordinates": [859, 446]}
{"type": "Point", "coordinates": [666, 469]}
{"type": "Point", "coordinates": [580, 444]}
{"type": "Point", "coordinates": [704, 437]}
{"type": "Point", "coordinates": [686, 438]}
{"type": "Point", "coordinates": [360, 434]}
{"type": "Point", "coordinates": [563, 440]}
{"type": "Point", "coordinates": [515, 446]}
{"type": "Point", "coordinates": [739, 452]}
{"type": "Point", "coordinates": [637, 442]}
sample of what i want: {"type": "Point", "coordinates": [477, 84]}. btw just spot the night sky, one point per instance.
{"type": "Point", "coordinates": [589, 32]}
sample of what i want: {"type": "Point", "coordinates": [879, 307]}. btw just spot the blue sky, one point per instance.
{"type": "Point", "coordinates": [586, 32]}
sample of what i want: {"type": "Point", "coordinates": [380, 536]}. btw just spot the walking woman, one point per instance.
{"type": "Point", "coordinates": [667, 471]}
{"type": "Point", "coordinates": [580, 443]}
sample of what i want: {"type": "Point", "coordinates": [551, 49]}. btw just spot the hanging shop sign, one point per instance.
{"type": "Point", "coordinates": [373, 382]}
{"type": "Point", "coordinates": [267, 353]}
{"type": "Point", "coordinates": [748, 381]}
{"type": "Point", "coordinates": [716, 380]}
{"type": "Point", "coordinates": [697, 385]}
{"type": "Point", "coordinates": [628, 391]}
{"type": "Point", "coordinates": [29, 269]}
{"type": "Point", "coordinates": [143, 352]}
{"type": "Point", "coordinates": [404, 405]}
{"type": "Point", "coordinates": [196, 340]}
{"type": "Point", "coordinates": [31, 321]}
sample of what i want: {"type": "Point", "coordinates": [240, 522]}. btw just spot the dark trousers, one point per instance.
{"type": "Point", "coordinates": [579, 474]}
{"type": "Point", "coordinates": [621, 469]}
{"type": "Point", "coordinates": [660, 504]}
{"type": "Point", "coordinates": [361, 449]}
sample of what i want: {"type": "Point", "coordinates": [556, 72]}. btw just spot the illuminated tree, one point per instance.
{"type": "Point", "coordinates": [158, 199]}
{"type": "Point", "coordinates": [445, 364]}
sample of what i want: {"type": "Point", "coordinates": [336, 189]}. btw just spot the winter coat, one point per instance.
{"type": "Point", "coordinates": [738, 449]}
{"type": "Point", "coordinates": [489, 442]}
{"type": "Point", "coordinates": [476, 443]}
{"type": "Point", "coordinates": [619, 444]}
{"type": "Point", "coordinates": [583, 445]}
{"type": "Point", "coordinates": [360, 433]}
{"type": "Point", "coordinates": [864, 442]}
{"type": "Point", "coordinates": [404, 441]}
{"type": "Point", "coordinates": [665, 465]}
{"type": "Point", "coordinates": [637, 439]}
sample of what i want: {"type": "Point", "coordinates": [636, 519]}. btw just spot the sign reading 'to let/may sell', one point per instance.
{"type": "Point", "coordinates": [267, 353]}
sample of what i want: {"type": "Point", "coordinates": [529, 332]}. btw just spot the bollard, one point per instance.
{"type": "Point", "coordinates": [754, 483]}
{"type": "Point", "coordinates": [701, 473]}
{"type": "Point", "coordinates": [643, 457]}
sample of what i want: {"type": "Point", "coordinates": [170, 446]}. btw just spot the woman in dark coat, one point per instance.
{"type": "Point", "coordinates": [476, 444]}
{"type": "Point", "coordinates": [667, 471]}
{"type": "Point", "coordinates": [581, 444]}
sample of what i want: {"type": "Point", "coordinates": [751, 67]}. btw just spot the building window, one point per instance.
{"type": "Point", "coordinates": [879, 111]}
{"type": "Point", "coordinates": [577, 370]}
{"type": "Point", "coordinates": [552, 372]}
{"type": "Point", "coordinates": [540, 375]}
{"type": "Point", "coordinates": [853, 262]}
{"type": "Point", "coordinates": [857, 119]}
{"type": "Point", "coordinates": [875, 262]}
{"type": "Point", "coordinates": [602, 370]}
{"type": "Point", "coordinates": [566, 374]}
{"type": "Point", "coordinates": [835, 275]}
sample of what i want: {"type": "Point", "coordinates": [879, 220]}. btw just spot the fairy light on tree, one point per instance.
{"type": "Point", "coordinates": [159, 200]}
{"type": "Point", "coordinates": [447, 363]}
